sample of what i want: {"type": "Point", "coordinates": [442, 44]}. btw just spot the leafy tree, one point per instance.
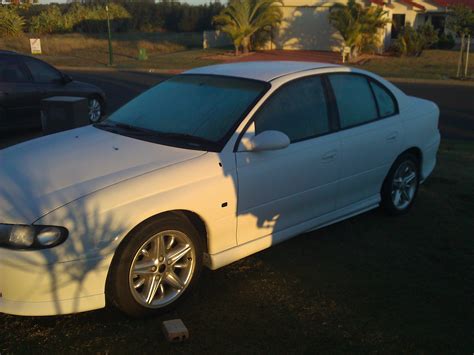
{"type": "Point", "coordinates": [11, 23]}
{"type": "Point", "coordinates": [358, 26]}
{"type": "Point", "coordinates": [461, 20]}
{"type": "Point", "coordinates": [242, 19]}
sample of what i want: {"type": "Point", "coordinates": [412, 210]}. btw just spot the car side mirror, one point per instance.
{"type": "Point", "coordinates": [267, 140]}
{"type": "Point", "coordinates": [66, 79]}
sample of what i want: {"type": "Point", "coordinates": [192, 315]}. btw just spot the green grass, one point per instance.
{"type": "Point", "coordinates": [371, 284]}
{"type": "Point", "coordinates": [165, 50]}
{"type": "Point", "coordinates": [432, 64]}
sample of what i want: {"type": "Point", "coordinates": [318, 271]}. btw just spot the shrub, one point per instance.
{"type": "Point", "coordinates": [412, 42]}
{"type": "Point", "coordinates": [358, 25]}
{"type": "Point", "coordinates": [48, 21]}
{"type": "Point", "coordinates": [446, 41]}
{"type": "Point", "coordinates": [11, 23]}
{"type": "Point", "coordinates": [80, 18]}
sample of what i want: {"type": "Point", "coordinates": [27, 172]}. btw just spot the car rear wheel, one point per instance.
{"type": "Point", "coordinates": [401, 185]}
{"type": "Point", "coordinates": [159, 263]}
{"type": "Point", "coordinates": [95, 109]}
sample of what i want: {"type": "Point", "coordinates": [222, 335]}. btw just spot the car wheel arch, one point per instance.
{"type": "Point", "coordinates": [190, 216]}
{"type": "Point", "coordinates": [415, 151]}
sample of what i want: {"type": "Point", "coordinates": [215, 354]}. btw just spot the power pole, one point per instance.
{"type": "Point", "coordinates": [111, 54]}
{"type": "Point", "coordinates": [460, 62]}
{"type": "Point", "coordinates": [467, 54]}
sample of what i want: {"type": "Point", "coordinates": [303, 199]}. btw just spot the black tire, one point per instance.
{"type": "Point", "coordinates": [388, 187]}
{"type": "Point", "coordinates": [119, 288]}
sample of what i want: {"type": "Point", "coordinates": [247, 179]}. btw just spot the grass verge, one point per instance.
{"type": "Point", "coordinates": [369, 284]}
{"type": "Point", "coordinates": [164, 50]}
{"type": "Point", "coordinates": [432, 64]}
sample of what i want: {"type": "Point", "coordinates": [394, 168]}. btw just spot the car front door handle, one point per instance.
{"type": "Point", "coordinates": [329, 155]}
{"type": "Point", "coordinates": [392, 136]}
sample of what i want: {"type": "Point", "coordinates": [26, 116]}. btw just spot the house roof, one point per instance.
{"type": "Point", "coordinates": [447, 3]}
{"type": "Point", "coordinates": [264, 70]}
{"type": "Point", "coordinates": [418, 5]}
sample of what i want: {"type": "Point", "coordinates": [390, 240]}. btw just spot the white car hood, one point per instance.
{"type": "Point", "coordinates": [43, 174]}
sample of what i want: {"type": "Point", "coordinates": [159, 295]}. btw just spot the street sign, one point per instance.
{"type": "Point", "coordinates": [35, 44]}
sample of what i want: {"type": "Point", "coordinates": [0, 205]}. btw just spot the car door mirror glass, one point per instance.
{"type": "Point", "coordinates": [267, 140]}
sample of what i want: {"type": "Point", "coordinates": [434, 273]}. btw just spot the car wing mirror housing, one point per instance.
{"type": "Point", "coordinates": [66, 79]}
{"type": "Point", "coordinates": [267, 140]}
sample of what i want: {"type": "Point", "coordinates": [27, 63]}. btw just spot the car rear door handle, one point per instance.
{"type": "Point", "coordinates": [392, 136]}
{"type": "Point", "coordinates": [328, 156]}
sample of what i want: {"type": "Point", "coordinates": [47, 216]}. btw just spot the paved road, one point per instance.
{"type": "Point", "coordinates": [456, 102]}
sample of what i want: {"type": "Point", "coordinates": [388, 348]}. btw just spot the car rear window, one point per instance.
{"type": "Point", "coordinates": [354, 98]}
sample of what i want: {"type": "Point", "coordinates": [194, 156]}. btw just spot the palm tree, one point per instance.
{"type": "Point", "coordinates": [359, 26]}
{"type": "Point", "coordinates": [242, 19]}
{"type": "Point", "coordinates": [11, 23]}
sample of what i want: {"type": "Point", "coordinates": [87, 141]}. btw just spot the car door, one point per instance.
{"type": "Point", "coordinates": [278, 189]}
{"type": "Point", "coordinates": [47, 79]}
{"type": "Point", "coordinates": [18, 94]}
{"type": "Point", "coordinates": [370, 133]}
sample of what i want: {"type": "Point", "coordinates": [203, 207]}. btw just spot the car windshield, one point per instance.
{"type": "Point", "coordinates": [196, 109]}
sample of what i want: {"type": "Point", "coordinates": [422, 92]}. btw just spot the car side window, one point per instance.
{"type": "Point", "coordinates": [298, 109]}
{"type": "Point", "coordinates": [385, 102]}
{"type": "Point", "coordinates": [12, 71]}
{"type": "Point", "coordinates": [354, 98]}
{"type": "Point", "coordinates": [41, 72]}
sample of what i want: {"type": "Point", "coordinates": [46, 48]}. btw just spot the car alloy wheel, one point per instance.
{"type": "Point", "coordinates": [162, 269]}
{"type": "Point", "coordinates": [95, 110]}
{"type": "Point", "coordinates": [400, 187]}
{"type": "Point", "coordinates": [404, 185]}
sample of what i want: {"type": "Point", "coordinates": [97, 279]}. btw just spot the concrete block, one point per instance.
{"type": "Point", "coordinates": [175, 330]}
{"type": "Point", "coordinates": [60, 113]}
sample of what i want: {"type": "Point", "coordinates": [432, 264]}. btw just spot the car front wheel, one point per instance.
{"type": "Point", "coordinates": [401, 185]}
{"type": "Point", "coordinates": [95, 109]}
{"type": "Point", "coordinates": [159, 263]}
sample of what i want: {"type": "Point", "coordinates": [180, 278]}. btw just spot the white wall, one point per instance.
{"type": "Point", "coordinates": [306, 26]}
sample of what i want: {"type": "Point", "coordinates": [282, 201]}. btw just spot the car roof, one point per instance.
{"type": "Point", "coordinates": [263, 70]}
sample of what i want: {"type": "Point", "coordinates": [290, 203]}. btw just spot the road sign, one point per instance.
{"type": "Point", "coordinates": [35, 44]}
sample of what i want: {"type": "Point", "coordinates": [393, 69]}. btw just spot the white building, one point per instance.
{"type": "Point", "coordinates": [306, 25]}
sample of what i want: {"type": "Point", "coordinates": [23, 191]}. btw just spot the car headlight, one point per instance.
{"type": "Point", "coordinates": [30, 237]}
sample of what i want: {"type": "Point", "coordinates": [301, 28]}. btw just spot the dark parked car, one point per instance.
{"type": "Point", "coordinates": [25, 81]}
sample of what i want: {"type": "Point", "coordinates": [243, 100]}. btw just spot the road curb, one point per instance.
{"type": "Point", "coordinates": [111, 70]}
{"type": "Point", "coordinates": [450, 82]}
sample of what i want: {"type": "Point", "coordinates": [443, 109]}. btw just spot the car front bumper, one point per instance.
{"type": "Point", "coordinates": [30, 288]}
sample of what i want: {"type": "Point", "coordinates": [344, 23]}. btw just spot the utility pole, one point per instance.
{"type": "Point", "coordinates": [461, 53]}
{"type": "Point", "coordinates": [111, 54]}
{"type": "Point", "coordinates": [467, 55]}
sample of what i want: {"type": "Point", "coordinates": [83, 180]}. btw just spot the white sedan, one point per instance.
{"type": "Point", "coordinates": [202, 170]}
